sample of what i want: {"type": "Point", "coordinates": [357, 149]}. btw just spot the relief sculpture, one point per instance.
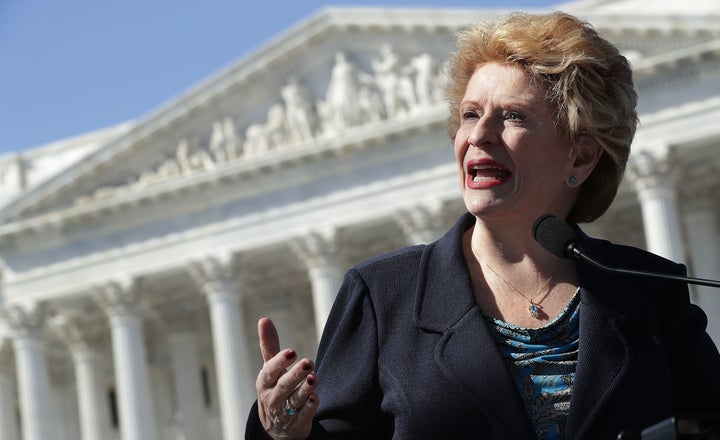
{"type": "Point", "coordinates": [393, 88]}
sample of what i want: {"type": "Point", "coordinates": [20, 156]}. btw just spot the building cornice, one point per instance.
{"type": "Point", "coordinates": [655, 64]}
{"type": "Point", "coordinates": [354, 138]}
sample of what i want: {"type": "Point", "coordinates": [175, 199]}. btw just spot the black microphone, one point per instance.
{"type": "Point", "coordinates": [562, 240]}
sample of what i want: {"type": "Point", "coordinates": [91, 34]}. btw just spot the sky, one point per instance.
{"type": "Point", "coordinates": [73, 67]}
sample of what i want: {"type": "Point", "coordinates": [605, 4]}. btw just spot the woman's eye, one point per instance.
{"type": "Point", "coordinates": [469, 114]}
{"type": "Point", "coordinates": [513, 116]}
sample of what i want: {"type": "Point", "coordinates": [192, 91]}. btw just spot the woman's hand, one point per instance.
{"type": "Point", "coordinates": [286, 399]}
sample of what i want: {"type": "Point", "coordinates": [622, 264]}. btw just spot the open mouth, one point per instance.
{"type": "Point", "coordinates": [487, 173]}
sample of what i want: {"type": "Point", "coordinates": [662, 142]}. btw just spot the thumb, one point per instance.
{"type": "Point", "coordinates": [269, 341]}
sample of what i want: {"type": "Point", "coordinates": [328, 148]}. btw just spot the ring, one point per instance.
{"type": "Point", "coordinates": [289, 409]}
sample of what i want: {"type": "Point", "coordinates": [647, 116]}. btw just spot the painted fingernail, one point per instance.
{"type": "Point", "coordinates": [307, 366]}
{"type": "Point", "coordinates": [311, 380]}
{"type": "Point", "coordinates": [290, 354]}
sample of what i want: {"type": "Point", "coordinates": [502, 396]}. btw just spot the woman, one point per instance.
{"type": "Point", "coordinates": [483, 333]}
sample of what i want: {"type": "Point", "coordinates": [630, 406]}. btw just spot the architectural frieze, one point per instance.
{"type": "Point", "coordinates": [251, 176]}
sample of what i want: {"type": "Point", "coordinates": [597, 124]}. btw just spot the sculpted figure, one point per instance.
{"type": "Point", "coordinates": [340, 107]}
{"type": "Point", "coordinates": [217, 142]}
{"type": "Point", "coordinates": [386, 78]}
{"type": "Point", "coordinates": [424, 66]}
{"type": "Point", "coordinates": [370, 103]}
{"type": "Point", "coordinates": [262, 137]}
{"type": "Point", "coordinates": [298, 112]}
{"type": "Point", "coordinates": [233, 144]}
{"type": "Point", "coordinates": [191, 157]}
{"type": "Point", "coordinates": [183, 156]}
{"type": "Point", "coordinates": [169, 168]}
{"type": "Point", "coordinates": [224, 143]}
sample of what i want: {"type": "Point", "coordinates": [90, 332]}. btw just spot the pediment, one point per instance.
{"type": "Point", "coordinates": [341, 71]}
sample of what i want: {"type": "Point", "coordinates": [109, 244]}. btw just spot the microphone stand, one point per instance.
{"type": "Point", "coordinates": [576, 251]}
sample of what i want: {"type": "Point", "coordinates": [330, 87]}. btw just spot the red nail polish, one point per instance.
{"type": "Point", "coordinates": [311, 380]}
{"type": "Point", "coordinates": [307, 366]}
{"type": "Point", "coordinates": [290, 354]}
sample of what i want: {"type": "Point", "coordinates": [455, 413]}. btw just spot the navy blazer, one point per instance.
{"type": "Point", "coordinates": [406, 353]}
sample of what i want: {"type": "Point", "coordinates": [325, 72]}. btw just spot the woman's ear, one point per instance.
{"type": "Point", "coordinates": [584, 156]}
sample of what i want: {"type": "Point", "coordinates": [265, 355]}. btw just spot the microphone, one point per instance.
{"type": "Point", "coordinates": [562, 240]}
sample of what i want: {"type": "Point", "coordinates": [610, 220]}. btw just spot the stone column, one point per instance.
{"type": "Point", "coordinates": [26, 322]}
{"type": "Point", "coordinates": [8, 415]}
{"type": "Point", "coordinates": [216, 278]}
{"type": "Point", "coordinates": [318, 250]}
{"type": "Point", "coordinates": [704, 247]}
{"type": "Point", "coordinates": [190, 417]}
{"type": "Point", "coordinates": [651, 174]}
{"type": "Point", "coordinates": [119, 300]}
{"type": "Point", "coordinates": [82, 339]}
{"type": "Point", "coordinates": [422, 223]}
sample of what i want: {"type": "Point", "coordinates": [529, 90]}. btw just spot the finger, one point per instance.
{"type": "Point", "coordinates": [302, 393]}
{"type": "Point", "coordinates": [269, 340]}
{"type": "Point", "coordinates": [305, 415]}
{"type": "Point", "coordinates": [274, 368]}
{"type": "Point", "coordinates": [290, 381]}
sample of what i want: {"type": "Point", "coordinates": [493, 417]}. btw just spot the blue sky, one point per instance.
{"type": "Point", "coordinates": [71, 67]}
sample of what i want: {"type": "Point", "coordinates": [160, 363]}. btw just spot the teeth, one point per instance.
{"type": "Point", "coordinates": [485, 167]}
{"type": "Point", "coordinates": [481, 178]}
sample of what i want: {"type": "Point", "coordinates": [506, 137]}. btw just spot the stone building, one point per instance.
{"type": "Point", "coordinates": [135, 261]}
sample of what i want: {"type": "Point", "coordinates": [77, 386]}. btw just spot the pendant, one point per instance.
{"type": "Point", "coordinates": [534, 310]}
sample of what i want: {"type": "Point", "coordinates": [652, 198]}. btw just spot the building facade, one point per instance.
{"type": "Point", "coordinates": [135, 261]}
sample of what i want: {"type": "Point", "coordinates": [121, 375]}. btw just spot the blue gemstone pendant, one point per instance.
{"type": "Point", "coordinates": [534, 311]}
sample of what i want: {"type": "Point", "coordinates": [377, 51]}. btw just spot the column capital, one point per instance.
{"type": "Point", "coordinates": [653, 168]}
{"type": "Point", "coordinates": [78, 334]}
{"type": "Point", "coordinates": [179, 317]}
{"type": "Point", "coordinates": [318, 247]}
{"type": "Point", "coordinates": [700, 185]}
{"type": "Point", "coordinates": [422, 223]}
{"type": "Point", "coordinates": [215, 273]}
{"type": "Point", "coordinates": [118, 297]}
{"type": "Point", "coordinates": [26, 319]}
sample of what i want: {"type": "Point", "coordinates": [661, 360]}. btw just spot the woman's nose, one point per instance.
{"type": "Point", "coordinates": [484, 133]}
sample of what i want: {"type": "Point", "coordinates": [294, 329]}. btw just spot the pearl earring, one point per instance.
{"type": "Point", "coordinates": [573, 180]}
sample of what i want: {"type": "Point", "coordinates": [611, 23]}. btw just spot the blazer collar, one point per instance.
{"type": "Point", "coordinates": [444, 293]}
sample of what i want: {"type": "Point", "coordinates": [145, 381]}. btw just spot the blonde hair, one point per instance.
{"type": "Point", "coordinates": [586, 80]}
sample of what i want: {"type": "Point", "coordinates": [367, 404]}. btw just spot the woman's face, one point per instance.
{"type": "Point", "coordinates": [512, 161]}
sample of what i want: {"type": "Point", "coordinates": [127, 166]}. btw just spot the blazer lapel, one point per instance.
{"type": "Point", "coordinates": [601, 358]}
{"type": "Point", "coordinates": [606, 321]}
{"type": "Point", "coordinates": [467, 353]}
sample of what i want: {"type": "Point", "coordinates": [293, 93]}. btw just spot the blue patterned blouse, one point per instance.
{"type": "Point", "coordinates": [542, 362]}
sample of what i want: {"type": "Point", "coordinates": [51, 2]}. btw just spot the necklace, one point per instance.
{"type": "Point", "coordinates": [533, 308]}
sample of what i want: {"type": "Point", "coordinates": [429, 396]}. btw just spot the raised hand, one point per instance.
{"type": "Point", "coordinates": [286, 399]}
